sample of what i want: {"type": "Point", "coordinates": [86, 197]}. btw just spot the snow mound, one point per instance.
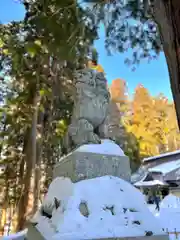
{"type": "Point", "coordinates": [102, 207]}
{"type": "Point", "coordinates": [106, 147]}
{"type": "Point", "coordinates": [169, 214]}
{"type": "Point", "coordinates": [170, 201]}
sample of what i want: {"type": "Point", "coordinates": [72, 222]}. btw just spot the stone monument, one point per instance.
{"type": "Point", "coordinates": [90, 109]}
{"type": "Point", "coordinates": [88, 131]}
{"type": "Point", "coordinates": [90, 196]}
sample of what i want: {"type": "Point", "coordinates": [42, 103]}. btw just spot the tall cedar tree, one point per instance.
{"type": "Point", "coordinates": [148, 27]}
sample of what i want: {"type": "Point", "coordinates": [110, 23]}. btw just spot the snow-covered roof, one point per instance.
{"type": "Point", "coordinates": [149, 183]}
{"type": "Point", "coordinates": [165, 168]}
{"type": "Point", "coordinates": [97, 208]}
{"type": "Point", "coordinates": [161, 155]}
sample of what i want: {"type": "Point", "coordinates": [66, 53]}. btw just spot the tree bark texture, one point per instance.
{"type": "Point", "coordinates": [30, 161]}
{"type": "Point", "coordinates": [167, 16]}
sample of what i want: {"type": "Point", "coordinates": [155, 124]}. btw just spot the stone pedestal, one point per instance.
{"type": "Point", "coordinates": [85, 165]}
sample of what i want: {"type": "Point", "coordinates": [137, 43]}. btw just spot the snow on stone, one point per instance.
{"type": "Point", "coordinates": [66, 191]}
{"type": "Point", "coordinates": [161, 155]}
{"type": "Point", "coordinates": [102, 207]}
{"type": "Point", "coordinates": [106, 147]}
{"type": "Point", "coordinates": [166, 167]}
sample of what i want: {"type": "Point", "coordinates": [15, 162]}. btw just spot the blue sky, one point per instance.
{"type": "Point", "coordinates": [154, 76]}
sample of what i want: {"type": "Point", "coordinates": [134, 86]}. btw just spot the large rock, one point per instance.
{"type": "Point", "coordinates": [94, 160]}
{"type": "Point", "coordinates": [100, 208]}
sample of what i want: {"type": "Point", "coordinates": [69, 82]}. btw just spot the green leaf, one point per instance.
{"type": "Point", "coordinates": [31, 49]}
{"type": "Point", "coordinates": [38, 43]}
{"type": "Point", "coordinates": [6, 51]}
{"type": "Point", "coordinates": [42, 92]}
{"type": "Point", "coordinates": [45, 92]}
{"type": "Point", "coordinates": [1, 43]}
{"type": "Point", "coordinates": [41, 108]}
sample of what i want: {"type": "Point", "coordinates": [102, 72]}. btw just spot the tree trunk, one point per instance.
{"type": "Point", "coordinates": [5, 203]}
{"type": "Point", "coordinates": [25, 182]}
{"type": "Point", "coordinates": [167, 16]}
{"type": "Point", "coordinates": [37, 170]}
{"type": "Point", "coordinates": [30, 160]}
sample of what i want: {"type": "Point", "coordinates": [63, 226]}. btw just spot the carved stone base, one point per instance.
{"type": "Point", "coordinates": [85, 165]}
